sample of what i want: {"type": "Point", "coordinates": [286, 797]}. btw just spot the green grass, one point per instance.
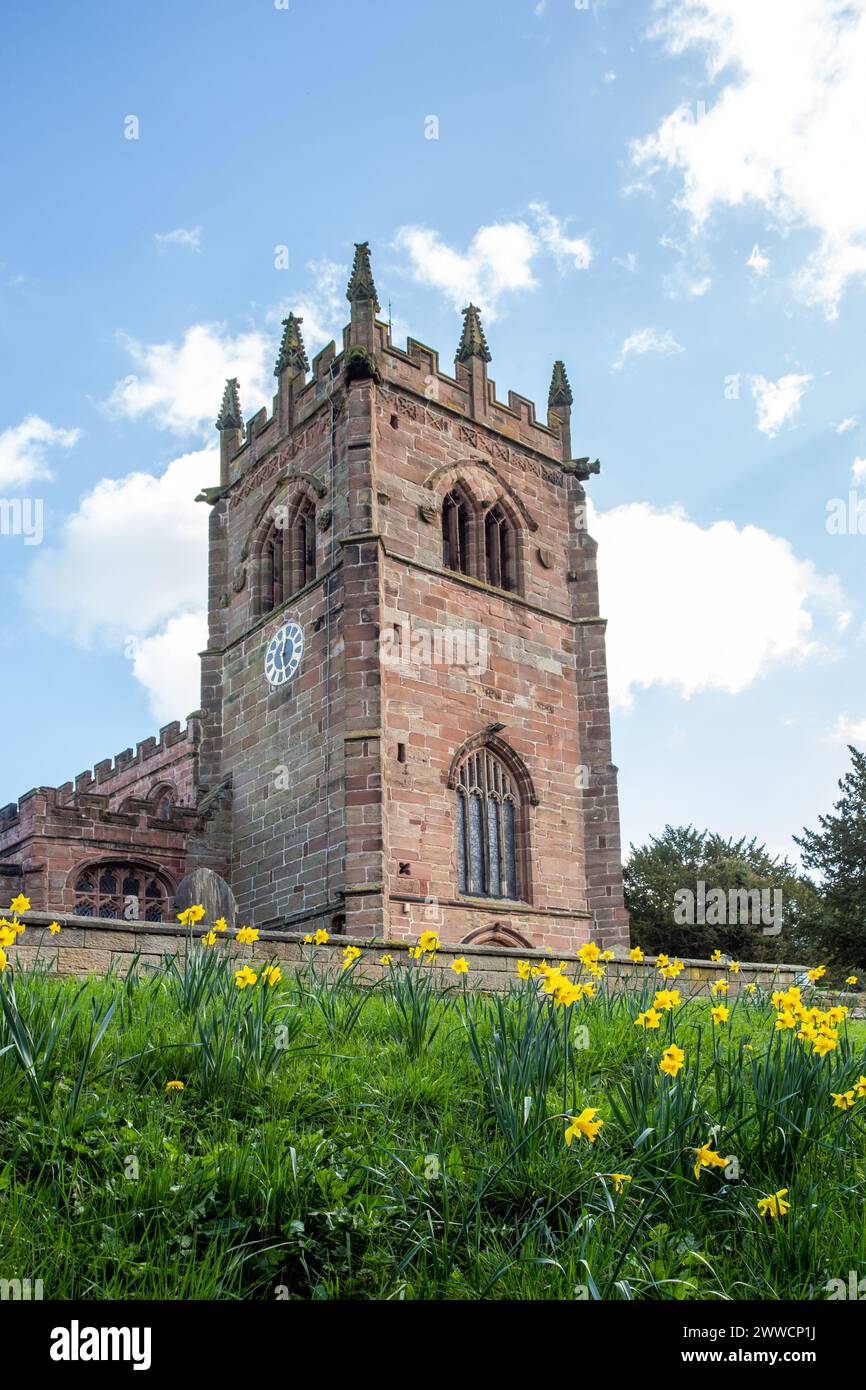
{"type": "Point", "coordinates": [336, 1142]}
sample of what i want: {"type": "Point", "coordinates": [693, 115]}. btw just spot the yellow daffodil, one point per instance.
{"type": "Point", "coordinates": [460, 966]}
{"type": "Point", "coordinates": [3, 960]}
{"type": "Point", "coordinates": [606, 955]}
{"type": "Point", "coordinates": [191, 915]}
{"type": "Point", "coordinates": [734, 967]}
{"type": "Point", "coordinates": [851, 980]}
{"type": "Point", "coordinates": [589, 953]}
{"type": "Point", "coordinates": [175, 1086]}
{"type": "Point", "coordinates": [524, 969]}
{"type": "Point", "coordinates": [567, 993]}
{"type": "Point", "coordinates": [308, 941]}
{"type": "Point", "coordinates": [673, 1060]}
{"type": "Point", "coordinates": [750, 989]}
{"type": "Point", "coordinates": [706, 1157]}
{"type": "Point", "coordinates": [619, 1181]}
{"type": "Point", "coordinates": [667, 999]}
{"type": "Point", "coordinates": [584, 1126]}
{"type": "Point", "coordinates": [385, 960]}
{"type": "Point", "coordinates": [674, 968]}
{"type": "Point", "coordinates": [221, 924]}
{"type": "Point", "coordinates": [817, 973]}
{"type": "Point", "coordinates": [209, 938]}
{"type": "Point", "coordinates": [861, 1088]}
{"type": "Point", "coordinates": [54, 928]}
{"type": "Point", "coordinates": [716, 956]}
{"type": "Point", "coordinates": [20, 904]}
{"type": "Point", "coordinates": [636, 954]}
{"type": "Point", "coordinates": [428, 941]}
{"type": "Point", "coordinates": [7, 935]}
{"type": "Point", "coordinates": [824, 1044]}
{"type": "Point", "coordinates": [720, 986]}
{"type": "Point", "coordinates": [271, 975]}
{"type": "Point", "coordinates": [662, 960]}
{"type": "Point", "coordinates": [774, 1205]}
{"type": "Point", "coordinates": [720, 1014]}
{"type": "Point", "coordinates": [650, 1019]}
{"type": "Point", "coordinates": [245, 977]}
{"type": "Point", "coordinates": [321, 937]}
{"type": "Point", "coordinates": [843, 1101]}
{"type": "Point", "coordinates": [350, 954]}
{"type": "Point", "coordinates": [247, 935]}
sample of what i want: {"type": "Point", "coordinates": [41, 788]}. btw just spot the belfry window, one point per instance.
{"type": "Point", "coordinates": [500, 550]}
{"type": "Point", "coordinates": [303, 541]}
{"type": "Point", "coordinates": [455, 533]}
{"type": "Point", "coordinates": [272, 570]}
{"type": "Point", "coordinates": [488, 814]}
{"type": "Point", "coordinates": [126, 892]}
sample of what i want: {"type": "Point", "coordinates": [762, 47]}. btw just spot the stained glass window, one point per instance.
{"type": "Point", "coordinates": [487, 824]}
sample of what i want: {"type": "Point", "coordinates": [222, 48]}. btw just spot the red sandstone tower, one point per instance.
{"type": "Point", "coordinates": [405, 717]}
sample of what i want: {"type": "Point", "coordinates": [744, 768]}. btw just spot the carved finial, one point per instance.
{"type": "Point", "coordinates": [361, 289]}
{"type": "Point", "coordinates": [230, 417]}
{"type": "Point", "coordinates": [472, 340]}
{"type": "Point", "coordinates": [560, 391]}
{"type": "Point", "coordinates": [293, 355]}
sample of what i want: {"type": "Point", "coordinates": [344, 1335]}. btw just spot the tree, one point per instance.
{"type": "Point", "coordinates": [837, 852]}
{"type": "Point", "coordinates": [660, 876]}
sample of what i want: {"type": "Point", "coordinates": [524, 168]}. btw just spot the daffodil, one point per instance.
{"type": "Point", "coordinates": [716, 956]}
{"type": "Point", "coordinates": [720, 986]}
{"type": "Point", "coordinates": [861, 1088]}
{"type": "Point", "coordinates": [824, 1044]}
{"type": "Point", "coordinates": [175, 1086]}
{"type": "Point", "coordinates": [589, 953]}
{"type": "Point", "coordinates": [584, 1126]}
{"type": "Point", "coordinates": [673, 1060]}
{"type": "Point", "coordinates": [428, 941]}
{"type": "Point", "coordinates": [385, 960]}
{"type": "Point", "coordinates": [774, 1205]}
{"type": "Point", "coordinates": [54, 928]}
{"type": "Point", "coordinates": [817, 973]}
{"type": "Point", "coordinates": [3, 960]}
{"type": "Point", "coordinates": [651, 1018]}
{"type": "Point", "coordinates": [851, 980]}
{"type": "Point", "coordinates": [7, 935]}
{"type": "Point", "coordinates": [667, 999]}
{"type": "Point", "coordinates": [706, 1157]}
{"type": "Point", "coordinates": [221, 924]}
{"type": "Point", "coordinates": [636, 954]}
{"type": "Point", "coordinates": [350, 955]}
{"type": "Point", "coordinates": [321, 937]}
{"type": "Point", "coordinates": [460, 966]}
{"type": "Point", "coordinates": [524, 969]}
{"type": "Point", "coordinates": [734, 967]}
{"type": "Point", "coordinates": [20, 904]}
{"type": "Point", "coordinates": [209, 938]}
{"type": "Point", "coordinates": [308, 941]}
{"type": "Point", "coordinates": [619, 1181]}
{"type": "Point", "coordinates": [191, 915]}
{"type": "Point", "coordinates": [247, 935]}
{"type": "Point", "coordinates": [245, 977]}
{"type": "Point", "coordinates": [271, 975]}
{"type": "Point", "coordinates": [720, 1014]}
{"type": "Point", "coordinates": [843, 1101]}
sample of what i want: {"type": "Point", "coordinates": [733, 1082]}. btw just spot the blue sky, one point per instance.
{"type": "Point", "coordinates": [666, 196]}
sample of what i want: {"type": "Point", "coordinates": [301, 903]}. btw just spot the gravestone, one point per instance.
{"type": "Point", "coordinates": [216, 897]}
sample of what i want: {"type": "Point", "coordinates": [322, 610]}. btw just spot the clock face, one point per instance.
{"type": "Point", "coordinates": [284, 653]}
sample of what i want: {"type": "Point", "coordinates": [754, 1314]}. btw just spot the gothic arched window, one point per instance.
{"type": "Point", "coordinates": [456, 532]}
{"type": "Point", "coordinates": [500, 550]}
{"type": "Point", "coordinates": [303, 544]}
{"type": "Point", "coordinates": [129, 892]}
{"type": "Point", "coordinates": [273, 571]}
{"type": "Point", "coordinates": [488, 827]}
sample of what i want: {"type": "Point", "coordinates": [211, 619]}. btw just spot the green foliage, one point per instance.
{"type": "Point", "coordinates": [837, 852]}
{"type": "Point", "coordinates": [681, 857]}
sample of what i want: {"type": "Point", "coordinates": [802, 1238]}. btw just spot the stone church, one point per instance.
{"type": "Point", "coordinates": [404, 714]}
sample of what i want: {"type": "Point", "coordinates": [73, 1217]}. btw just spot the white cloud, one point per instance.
{"type": "Point", "coordinates": [847, 424]}
{"type": "Point", "coordinates": [849, 730]}
{"type": "Point", "coordinates": [178, 385]}
{"type": "Point", "coordinates": [757, 261]}
{"type": "Point", "coordinates": [498, 261]}
{"type": "Point", "coordinates": [323, 307]}
{"type": "Point", "coordinates": [777, 401]}
{"type": "Point", "coordinates": [715, 608]}
{"type": "Point", "coordinates": [645, 340]}
{"type": "Point", "coordinates": [858, 471]}
{"type": "Point", "coordinates": [168, 666]}
{"type": "Point", "coordinates": [628, 262]}
{"type": "Point", "coordinates": [785, 128]}
{"type": "Point", "coordinates": [22, 450]}
{"type": "Point", "coordinates": [150, 535]}
{"type": "Point", "coordinates": [187, 237]}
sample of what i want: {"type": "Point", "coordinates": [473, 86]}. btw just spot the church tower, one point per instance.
{"type": "Point", "coordinates": [404, 691]}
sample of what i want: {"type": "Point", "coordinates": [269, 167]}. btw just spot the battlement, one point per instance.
{"type": "Point", "coordinates": [81, 794]}
{"type": "Point", "coordinates": [368, 353]}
